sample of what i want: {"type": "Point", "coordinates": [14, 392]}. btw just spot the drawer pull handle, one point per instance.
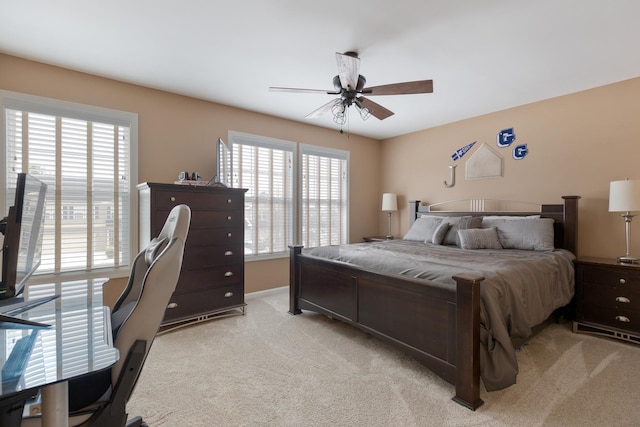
{"type": "Point", "coordinates": [228, 200]}
{"type": "Point", "coordinates": [624, 319]}
{"type": "Point", "coordinates": [229, 218]}
{"type": "Point", "coordinates": [229, 253]}
{"type": "Point", "coordinates": [173, 199]}
{"type": "Point", "coordinates": [172, 305]}
{"type": "Point", "coordinates": [622, 281]}
{"type": "Point", "coordinates": [228, 295]}
{"type": "Point", "coordinates": [228, 274]}
{"type": "Point", "coordinates": [623, 299]}
{"type": "Point", "coordinates": [228, 234]}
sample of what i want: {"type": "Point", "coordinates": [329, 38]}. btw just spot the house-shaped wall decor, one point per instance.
{"type": "Point", "coordinates": [484, 163]}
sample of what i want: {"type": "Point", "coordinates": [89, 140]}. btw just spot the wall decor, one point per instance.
{"type": "Point", "coordinates": [462, 151]}
{"type": "Point", "coordinates": [505, 137]}
{"type": "Point", "coordinates": [452, 172]}
{"type": "Point", "coordinates": [484, 163]}
{"type": "Point", "coordinates": [519, 151]}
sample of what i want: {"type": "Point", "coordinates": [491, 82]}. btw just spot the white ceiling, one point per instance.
{"type": "Point", "coordinates": [483, 56]}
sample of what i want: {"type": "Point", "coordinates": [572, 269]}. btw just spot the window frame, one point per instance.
{"type": "Point", "coordinates": [54, 107]}
{"type": "Point", "coordinates": [298, 149]}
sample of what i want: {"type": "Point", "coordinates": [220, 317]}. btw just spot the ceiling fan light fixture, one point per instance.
{"type": "Point", "coordinates": [365, 113]}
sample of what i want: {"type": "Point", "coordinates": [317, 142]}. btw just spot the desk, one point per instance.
{"type": "Point", "coordinates": [79, 342]}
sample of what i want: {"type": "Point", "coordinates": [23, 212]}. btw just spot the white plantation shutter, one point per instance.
{"type": "Point", "coordinates": [85, 156]}
{"type": "Point", "coordinates": [272, 173]}
{"type": "Point", "coordinates": [324, 196]}
{"type": "Point", "coordinates": [264, 167]}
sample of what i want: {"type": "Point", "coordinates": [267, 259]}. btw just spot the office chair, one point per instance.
{"type": "Point", "coordinates": [100, 399]}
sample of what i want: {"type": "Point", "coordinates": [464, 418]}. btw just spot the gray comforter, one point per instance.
{"type": "Point", "coordinates": [522, 288]}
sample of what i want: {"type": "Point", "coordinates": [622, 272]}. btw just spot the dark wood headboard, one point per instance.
{"type": "Point", "coordinates": [565, 216]}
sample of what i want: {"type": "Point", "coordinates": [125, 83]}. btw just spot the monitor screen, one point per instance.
{"type": "Point", "coordinates": [23, 227]}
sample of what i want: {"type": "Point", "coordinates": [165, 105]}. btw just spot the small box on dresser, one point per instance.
{"type": "Point", "coordinates": [212, 276]}
{"type": "Point", "coordinates": [608, 298]}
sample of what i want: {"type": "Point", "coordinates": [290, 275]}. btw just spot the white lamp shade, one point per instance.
{"type": "Point", "coordinates": [389, 202]}
{"type": "Point", "coordinates": [624, 196]}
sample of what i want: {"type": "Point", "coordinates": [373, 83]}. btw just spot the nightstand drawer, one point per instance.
{"type": "Point", "coordinates": [612, 276]}
{"type": "Point", "coordinates": [617, 318]}
{"type": "Point", "coordinates": [611, 297]}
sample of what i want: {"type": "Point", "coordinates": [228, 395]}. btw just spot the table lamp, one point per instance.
{"type": "Point", "coordinates": [389, 205]}
{"type": "Point", "coordinates": [624, 196]}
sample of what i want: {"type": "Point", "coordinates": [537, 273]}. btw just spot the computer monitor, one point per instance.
{"type": "Point", "coordinates": [22, 229]}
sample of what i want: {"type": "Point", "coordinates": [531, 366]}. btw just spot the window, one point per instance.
{"type": "Point", "coordinates": [324, 196]}
{"type": "Point", "coordinates": [86, 155]}
{"type": "Point", "coordinates": [295, 193]}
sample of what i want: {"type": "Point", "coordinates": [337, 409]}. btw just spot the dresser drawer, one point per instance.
{"type": "Point", "coordinates": [612, 276]}
{"type": "Point", "coordinates": [207, 219]}
{"type": "Point", "coordinates": [199, 199]}
{"type": "Point", "coordinates": [209, 256]}
{"type": "Point", "coordinates": [216, 237]}
{"type": "Point", "coordinates": [192, 304]}
{"type": "Point", "coordinates": [210, 277]}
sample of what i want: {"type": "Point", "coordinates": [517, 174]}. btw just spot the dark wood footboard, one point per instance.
{"type": "Point", "coordinates": [437, 324]}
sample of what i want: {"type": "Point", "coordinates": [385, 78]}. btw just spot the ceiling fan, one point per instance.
{"type": "Point", "coordinates": [350, 85]}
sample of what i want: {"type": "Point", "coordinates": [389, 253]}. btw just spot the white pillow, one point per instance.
{"type": "Point", "coordinates": [479, 238]}
{"type": "Point", "coordinates": [533, 234]}
{"type": "Point", "coordinates": [423, 228]}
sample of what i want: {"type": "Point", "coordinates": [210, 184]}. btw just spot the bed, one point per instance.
{"type": "Point", "coordinates": [458, 312]}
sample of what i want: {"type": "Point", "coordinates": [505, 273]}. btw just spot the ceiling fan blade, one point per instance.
{"type": "Point", "coordinates": [297, 90]}
{"type": "Point", "coordinates": [406, 88]}
{"type": "Point", "coordinates": [376, 110]}
{"type": "Point", "coordinates": [322, 110]}
{"type": "Point", "coordinates": [348, 70]}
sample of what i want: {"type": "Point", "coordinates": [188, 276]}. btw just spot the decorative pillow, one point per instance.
{"type": "Point", "coordinates": [533, 234]}
{"type": "Point", "coordinates": [441, 231]}
{"type": "Point", "coordinates": [459, 223]}
{"type": "Point", "coordinates": [422, 229]}
{"type": "Point", "coordinates": [479, 238]}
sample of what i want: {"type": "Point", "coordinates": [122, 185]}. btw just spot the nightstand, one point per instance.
{"type": "Point", "coordinates": [376, 238]}
{"type": "Point", "coordinates": [608, 298]}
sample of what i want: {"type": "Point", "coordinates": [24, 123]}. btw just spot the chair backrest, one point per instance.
{"type": "Point", "coordinates": [138, 312]}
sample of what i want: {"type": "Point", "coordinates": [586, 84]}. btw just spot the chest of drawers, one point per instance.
{"type": "Point", "coordinates": [212, 276]}
{"type": "Point", "coordinates": [608, 298]}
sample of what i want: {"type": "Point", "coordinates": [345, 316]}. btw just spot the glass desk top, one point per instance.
{"type": "Point", "coordinates": [78, 342]}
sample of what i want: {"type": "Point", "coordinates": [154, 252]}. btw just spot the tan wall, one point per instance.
{"type": "Point", "coordinates": [178, 133]}
{"type": "Point", "coordinates": [577, 144]}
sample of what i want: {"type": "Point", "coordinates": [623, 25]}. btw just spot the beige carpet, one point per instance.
{"type": "Point", "coordinates": [269, 368]}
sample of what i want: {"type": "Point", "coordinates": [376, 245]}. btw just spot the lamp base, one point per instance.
{"type": "Point", "coordinates": [627, 260]}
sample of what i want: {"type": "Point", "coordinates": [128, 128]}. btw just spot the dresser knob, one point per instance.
{"type": "Point", "coordinates": [623, 299]}
{"type": "Point", "coordinates": [172, 305]}
{"type": "Point", "coordinates": [228, 274]}
{"type": "Point", "coordinates": [622, 281]}
{"type": "Point", "coordinates": [228, 200]}
{"type": "Point", "coordinates": [228, 295]}
{"type": "Point", "coordinates": [623, 319]}
{"type": "Point", "coordinates": [228, 253]}
{"type": "Point", "coordinates": [173, 199]}
{"type": "Point", "coordinates": [228, 234]}
{"type": "Point", "coordinates": [229, 218]}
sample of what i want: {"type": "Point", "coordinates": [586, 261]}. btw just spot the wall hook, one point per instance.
{"type": "Point", "coordinates": [452, 169]}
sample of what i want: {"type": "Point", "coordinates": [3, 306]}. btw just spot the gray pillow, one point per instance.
{"type": "Point", "coordinates": [459, 223]}
{"type": "Point", "coordinates": [441, 231]}
{"type": "Point", "coordinates": [533, 234]}
{"type": "Point", "coordinates": [479, 238]}
{"type": "Point", "coordinates": [422, 229]}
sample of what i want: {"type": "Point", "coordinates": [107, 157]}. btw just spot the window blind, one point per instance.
{"type": "Point", "coordinates": [87, 166]}
{"type": "Point", "coordinates": [265, 168]}
{"type": "Point", "coordinates": [276, 213]}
